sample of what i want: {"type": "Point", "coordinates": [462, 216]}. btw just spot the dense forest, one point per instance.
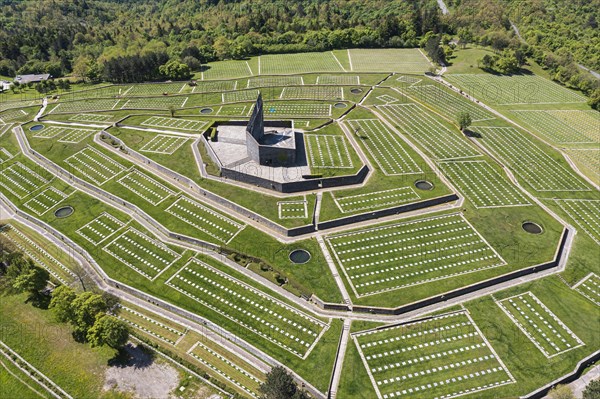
{"type": "Point", "coordinates": [59, 36]}
{"type": "Point", "coordinates": [141, 40]}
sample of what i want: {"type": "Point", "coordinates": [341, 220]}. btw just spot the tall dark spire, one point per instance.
{"type": "Point", "coordinates": [256, 126]}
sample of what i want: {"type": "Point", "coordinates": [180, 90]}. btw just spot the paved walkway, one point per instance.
{"type": "Point", "coordinates": [334, 271]}
{"type": "Point", "coordinates": [41, 111]}
{"type": "Point", "coordinates": [339, 361]}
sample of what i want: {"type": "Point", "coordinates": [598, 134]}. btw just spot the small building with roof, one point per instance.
{"type": "Point", "coordinates": [32, 78]}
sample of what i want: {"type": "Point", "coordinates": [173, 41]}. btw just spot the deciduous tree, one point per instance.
{"type": "Point", "coordinates": [108, 330]}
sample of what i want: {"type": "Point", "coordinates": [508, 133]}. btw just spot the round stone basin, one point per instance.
{"type": "Point", "coordinates": [532, 228]}
{"type": "Point", "coordinates": [340, 105]}
{"type": "Point", "coordinates": [206, 111]}
{"type": "Point", "coordinates": [356, 91]}
{"type": "Point", "coordinates": [424, 185]}
{"type": "Point", "coordinates": [299, 256]}
{"type": "Point", "coordinates": [36, 128]}
{"type": "Point", "coordinates": [64, 212]}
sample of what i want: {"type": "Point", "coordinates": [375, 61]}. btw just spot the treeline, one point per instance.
{"type": "Point", "coordinates": [488, 23]}
{"type": "Point", "coordinates": [125, 40]}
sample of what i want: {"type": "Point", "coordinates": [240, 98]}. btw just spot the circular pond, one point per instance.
{"type": "Point", "coordinates": [340, 105]}
{"type": "Point", "coordinates": [532, 228]}
{"type": "Point", "coordinates": [36, 128]}
{"type": "Point", "coordinates": [299, 256]}
{"type": "Point", "coordinates": [64, 212]}
{"type": "Point", "coordinates": [424, 185]}
{"type": "Point", "coordinates": [356, 91]}
{"type": "Point", "coordinates": [206, 111]}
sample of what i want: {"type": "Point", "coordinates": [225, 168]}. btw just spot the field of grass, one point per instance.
{"type": "Point", "coordinates": [290, 329]}
{"type": "Point", "coordinates": [226, 70]}
{"type": "Point", "coordinates": [566, 127]}
{"type": "Point", "coordinates": [312, 93]}
{"type": "Point", "coordinates": [156, 89]}
{"type": "Point", "coordinates": [385, 146]}
{"type": "Point", "coordinates": [174, 123]}
{"type": "Point", "coordinates": [329, 152]}
{"type": "Point", "coordinates": [401, 255]}
{"type": "Point", "coordinates": [326, 151]}
{"type": "Point", "coordinates": [49, 346]}
{"type": "Point", "coordinates": [16, 384]}
{"type": "Point", "coordinates": [164, 144]}
{"type": "Point", "coordinates": [375, 200]}
{"type": "Point", "coordinates": [529, 160]}
{"type": "Point", "coordinates": [590, 288]}
{"type": "Point", "coordinates": [446, 102]}
{"type": "Point", "coordinates": [549, 334]}
{"type": "Point", "coordinates": [203, 218]}
{"type": "Point", "coordinates": [276, 81]}
{"type": "Point", "coordinates": [64, 134]}
{"type": "Point", "coordinates": [482, 184]}
{"type": "Point", "coordinates": [88, 105]}
{"type": "Point", "coordinates": [57, 263]}
{"type": "Point", "coordinates": [388, 60]}
{"type": "Point", "coordinates": [443, 356]}
{"type": "Point", "coordinates": [437, 139]}
{"type": "Point", "coordinates": [587, 161]}
{"type": "Point", "coordinates": [585, 214]}
{"type": "Point", "coordinates": [287, 64]}
{"type": "Point", "coordinates": [514, 89]}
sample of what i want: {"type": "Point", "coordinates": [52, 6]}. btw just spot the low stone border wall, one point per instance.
{"type": "Point", "coordinates": [565, 379]}
{"type": "Point", "coordinates": [386, 212]}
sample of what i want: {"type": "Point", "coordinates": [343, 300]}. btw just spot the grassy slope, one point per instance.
{"type": "Point", "coordinates": [48, 345]}
{"type": "Point", "coordinates": [21, 386]}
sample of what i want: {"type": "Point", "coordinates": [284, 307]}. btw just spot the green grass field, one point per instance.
{"type": "Point", "coordinates": [443, 356]}
{"type": "Point", "coordinates": [514, 89]}
{"type": "Point", "coordinates": [412, 253]}
{"type": "Point", "coordinates": [385, 146]}
{"type": "Point", "coordinates": [441, 142]}
{"type": "Point", "coordinates": [263, 315]}
{"type": "Point", "coordinates": [326, 151]}
{"type": "Point", "coordinates": [484, 186]}
{"type": "Point", "coordinates": [391, 60]}
{"type": "Point", "coordinates": [529, 160]}
{"type": "Point", "coordinates": [563, 126]}
{"type": "Point", "coordinates": [287, 64]}
{"type": "Point", "coordinates": [375, 200]}
{"type": "Point", "coordinates": [446, 102]}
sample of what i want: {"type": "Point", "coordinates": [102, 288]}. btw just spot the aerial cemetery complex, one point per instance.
{"type": "Point", "coordinates": [326, 212]}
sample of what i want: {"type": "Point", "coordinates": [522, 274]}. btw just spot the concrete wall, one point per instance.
{"type": "Point", "coordinates": [565, 379]}
{"type": "Point", "coordinates": [387, 212]}
{"type": "Point", "coordinates": [297, 186]}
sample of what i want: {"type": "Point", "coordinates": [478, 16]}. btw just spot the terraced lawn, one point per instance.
{"type": "Point", "coordinates": [416, 122]}
{"type": "Point", "coordinates": [405, 254]}
{"type": "Point", "coordinates": [439, 357]}
{"type": "Point", "coordinates": [529, 160]}
{"type": "Point", "coordinates": [483, 185]}
{"type": "Point", "coordinates": [249, 307]}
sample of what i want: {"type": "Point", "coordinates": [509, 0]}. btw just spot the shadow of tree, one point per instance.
{"type": "Point", "coordinates": [137, 356]}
